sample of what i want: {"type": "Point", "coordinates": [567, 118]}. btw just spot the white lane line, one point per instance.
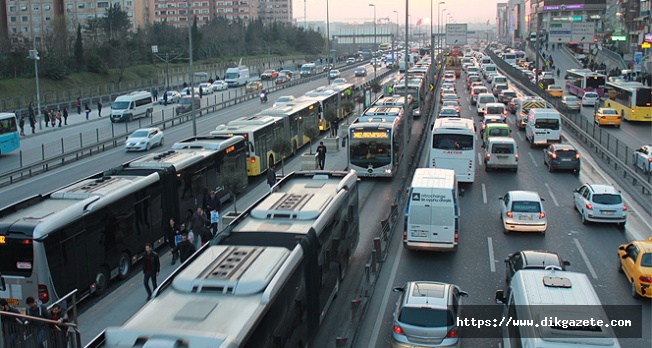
{"type": "Point", "coordinates": [479, 159]}
{"type": "Point", "coordinates": [484, 194]}
{"type": "Point", "coordinates": [520, 136]}
{"type": "Point", "coordinates": [533, 161]}
{"type": "Point", "coordinates": [586, 259]}
{"type": "Point", "coordinates": [554, 199]}
{"type": "Point", "coordinates": [492, 260]}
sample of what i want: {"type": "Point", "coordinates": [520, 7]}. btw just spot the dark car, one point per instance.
{"type": "Point", "coordinates": [506, 96]}
{"type": "Point", "coordinates": [360, 72]}
{"type": "Point", "coordinates": [448, 112]}
{"type": "Point", "coordinates": [282, 78]}
{"type": "Point", "coordinates": [185, 104]}
{"type": "Point", "coordinates": [537, 259]}
{"type": "Point", "coordinates": [512, 106]}
{"type": "Point", "coordinates": [562, 157]}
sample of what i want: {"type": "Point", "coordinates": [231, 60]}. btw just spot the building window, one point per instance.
{"type": "Point", "coordinates": [24, 19]}
{"type": "Point", "coordinates": [23, 7]}
{"type": "Point", "coordinates": [81, 5]}
{"type": "Point", "coordinates": [48, 18]}
{"type": "Point", "coordinates": [104, 4]}
{"type": "Point", "coordinates": [47, 7]}
{"type": "Point", "coordinates": [14, 19]}
{"type": "Point", "coordinates": [129, 3]}
{"type": "Point", "coordinates": [12, 8]}
{"type": "Point", "coordinates": [35, 7]}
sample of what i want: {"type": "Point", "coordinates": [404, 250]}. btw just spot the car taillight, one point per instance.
{"type": "Point", "coordinates": [398, 330]}
{"type": "Point", "coordinates": [649, 159]}
{"type": "Point", "coordinates": [488, 155]}
{"type": "Point", "coordinates": [453, 333]}
{"type": "Point", "coordinates": [645, 279]}
{"type": "Point", "coordinates": [624, 207]}
{"type": "Point", "coordinates": [516, 158]}
{"type": "Point", "coordinates": [43, 293]}
{"type": "Point", "coordinates": [618, 117]}
{"type": "Point", "coordinates": [542, 215]}
{"type": "Point", "coordinates": [554, 155]}
{"type": "Point", "coordinates": [509, 214]}
{"type": "Point", "coordinates": [589, 206]}
{"type": "Point", "coordinates": [577, 156]}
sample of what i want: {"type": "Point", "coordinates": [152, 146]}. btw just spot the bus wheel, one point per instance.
{"type": "Point", "coordinates": [124, 266]}
{"type": "Point", "coordinates": [102, 280]}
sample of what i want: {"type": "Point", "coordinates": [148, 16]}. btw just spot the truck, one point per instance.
{"type": "Point", "coordinates": [237, 76]}
{"type": "Point", "coordinates": [454, 61]}
{"type": "Point", "coordinates": [523, 106]}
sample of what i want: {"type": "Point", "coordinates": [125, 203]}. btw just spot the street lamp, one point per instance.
{"type": "Point", "coordinates": [443, 31]}
{"type": "Point", "coordinates": [432, 41]}
{"type": "Point", "coordinates": [396, 38]}
{"type": "Point", "coordinates": [375, 45]}
{"type": "Point", "coordinates": [33, 54]}
{"type": "Point", "coordinates": [328, 43]}
{"type": "Point", "coordinates": [191, 72]}
{"type": "Point", "coordinates": [439, 31]}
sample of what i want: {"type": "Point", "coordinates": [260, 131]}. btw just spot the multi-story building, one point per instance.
{"type": "Point", "coordinates": [174, 12]}
{"type": "Point", "coordinates": [275, 10]}
{"type": "Point", "coordinates": [502, 21]}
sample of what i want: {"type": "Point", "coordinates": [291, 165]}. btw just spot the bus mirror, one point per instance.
{"type": "Point", "coordinates": [500, 297]}
{"type": "Point", "coordinates": [3, 287]}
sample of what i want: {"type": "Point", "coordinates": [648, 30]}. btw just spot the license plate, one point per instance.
{"type": "Point", "coordinates": [420, 234]}
{"type": "Point", "coordinates": [565, 159]}
{"type": "Point", "coordinates": [607, 212]}
{"type": "Point", "coordinates": [501, 156]}
{"type": "Point", "coordinates": [525, 217]}
{"type": "Point", "coordinates": [611, 122]}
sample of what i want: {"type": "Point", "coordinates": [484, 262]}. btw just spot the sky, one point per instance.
{"type": "Point", "coordinates": [359, 11]}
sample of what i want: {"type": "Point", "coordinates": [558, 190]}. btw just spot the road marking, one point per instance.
{"type": "Point", "coordinates": [484, 194]}
{"type": "Point", "coordinates": [533, 161]}
{"type": "Point", "coordinates": [492, 260]}
{"type": "Point", "coordinates": [586, 259]}
{"type": "Point", "coordinates": [520, 136]}
{"type": "Point", "coordinates": [554, 199]}
{"type": "Point", "coordinates": [479, 159]}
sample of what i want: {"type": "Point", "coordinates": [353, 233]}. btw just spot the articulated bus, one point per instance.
{"type": "Point", "coordinates": [453, 147]}
{"type": "Point", "coordinates": [334, 97]}
{"type": "Point", "coordinates": [633, 100]}
{"type": "Point", "coordinates": [9, 137]}
{"type": "Point", "coordinates": [266, 281]}
{"type": "Point", "coordinates": [415, 88]}
{"type": "Point", "coordinates": [376, 145]}
{"type": "Point", "coordinates": [84, 235]}
{"type": "Point", "coordinates": [580, 81]}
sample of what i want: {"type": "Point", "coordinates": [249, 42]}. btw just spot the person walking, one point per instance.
{"type": "Point", "coordinates": [271, 177]}
{"type": "Point", "coordinates": [99, 108]}
{"type": "Point", "coordinates": [30, 110]}
{"type": "Point", "coordinates": [21, 124]}
{"type": "Point", "coordinates": [151, 269]}
{"type": "Point", "coordinates": [165, 98]}
{"type": "Point", "coordinates": [78, 105]}
{"type": "Point", "coordinates": [46, 117]}
{"type": "Point", "coordinates": [213, 207]}
{"type": "Point", "coordinates": [155, 94]}
{"type": "Point", "coordinates": [87, 109]}
{"type": "Point", "coordinates": [321, 155]}
{"type": "Point", "coordinates": [65, 115]}
{"type": "Point", "coordinates": [59, 118]}
{"type": "Point", "coordinates": [185, 249]}
{"type": "Point", "coordinates": [38, 311]}
{"type": "Point", "coordinates": [197, 223]}
{"type": "Point", "coordinates": [173, 236]}
{"type": "Point", "coordinates": [53, 117]}
{"type": "Point", "coordinates": [32, 123]}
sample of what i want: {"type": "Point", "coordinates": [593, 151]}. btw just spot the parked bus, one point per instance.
{"type": "Point", "coordinates": [9, 137]}
{"type": "Point", "coordinates": [579, 81]}
{"type": "Point", "coordinates": [453, 147]}
{"type": "Point", "coordinates": [267, 280]}
{"type": "Point", "coordinates": [633, 100]}
{"type": "Point", "coordinates": [376, 145]}
{"type": "Point", "coordinates": [85, 234]}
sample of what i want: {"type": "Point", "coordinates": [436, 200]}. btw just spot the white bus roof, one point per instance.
{"type": "Point", "coordinates": [433, 177]}
{"type": "Point", "coordinates": [4, 115]}
{"type": "Point", "coordinates": [453, 124]}
{"type": "Point", "coordinates": [286, 109]}
{"type": "Point", "coordinates": [245, 124]}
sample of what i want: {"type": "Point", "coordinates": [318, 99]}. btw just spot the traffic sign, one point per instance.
{"type": "Point", "coordinates": [583, 32]}
{"type": "Point", "coordinates": [560, 32]}
{"type": "Point", "coordinates": [456, 34]}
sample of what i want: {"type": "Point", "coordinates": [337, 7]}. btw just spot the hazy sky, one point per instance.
{"type": "Point", "coordinates": [462, 11]}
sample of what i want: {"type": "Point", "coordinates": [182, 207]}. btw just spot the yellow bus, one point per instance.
{"type": "Point", "coordinates": [631, 99]}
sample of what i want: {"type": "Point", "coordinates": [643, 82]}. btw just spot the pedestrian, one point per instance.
{"type": "Point", "coordinates": [53, 117]}
{"type": "Point", "coordinates": [30, 110]}
{"type": "Point", "coordinates": [59, 333]}
{"type": "Point", "coordinates": [165, 98]}
{"type": "Point", "coordinates": [46, 117]}
{"type": "Point", "coordinates": [38, 311]}
{"type": "Point", "coordinates": [271, 177]}
{"type": "Point", "coordinates": [205, 233]}
{"type": "Point", "coordinates": [155, 94]}
{"type": "Point", "coordinates": [99, 108]}
{"type": "Point", "coordinates": [185, 248]}
{"type": "Point", "coordinates": [78, 105]}
{"type": "Point", "coordinates": [59, 118]}
{"type": "Point", "coordinates": [213, 207]}
{"type": "Point", "coordinates": [197, 223]}
{"type": "Point", "coordinates": [10, 324]}
{"type": "Point", "coordinates": [201, 92]}
{"type": "Point", "coordinates": [173, 237]}
{"type": "Point", "coordinates": [65, 115]}
{"type": "Point", "coordinates": [321, 155]}
{"type": "Point", "coordinates": [151, 269]}
{"type": "Point", "coordinates": [87, 109]}
{"type": "Point", "coordinates": [32, 123]}
{"type": "Point", "coordinates": [21, 124]}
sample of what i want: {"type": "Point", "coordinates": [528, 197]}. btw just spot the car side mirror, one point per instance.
{"type": "Point", "coordinates": [542, 200]}
{"type": "Point", "coordinates": [621, 248]}
{"type": "Point", "coordinates": [566, 263]}
{"type": "Point", "coordinates": [398, 289]}
{"type": "Point", "coordinates": [624, 256]}
{"type": "Point", "coordinates": [464, 294]}
{"type": "Point", "coordinates": [3, 286]}
{"type": "Point", "coordinates": [500, 297]}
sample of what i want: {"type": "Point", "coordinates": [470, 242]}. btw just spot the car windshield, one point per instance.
{"type": "Point", "coordinates": [566, 153]}
{"type": "Point", "coordinates": [140, 134]}
{"type": "Point", "coordinates": [526, 207]}
{"type": "Point", "coordinates": [284, 99]}
{"type": "Point", "coordinates": [426, 317]}
{"type": "Point", "coordinates": [571, 99]}
{"type": "Point", "coordinates": [450, 103]}
{"type": "Point", "coordinates": [607, 199]}
{"type": "Point", "coordinates": [268, 71]}
{"type": "Point", "coordinates": [120, 105]}
{"type": "Point", "coordinates": [554, 87]}
{"type": "Point", "coordinates": [185, 101]}
{"type": "Point", "coordinates": [448, 112]}
{"type": "Point", "coordinates": [495, 110]}
{"type": "Point", "coordinates": [609, 112]}
{"type": "Point", "coordinates": [590, 95]}
{"type": "Point", "coordinates": [252, 84]}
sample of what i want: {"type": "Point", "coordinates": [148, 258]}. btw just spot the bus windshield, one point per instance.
{"type": "Point", "coordinates": [452, 142]}
{"type": "Point", "coordinates": [232, 75]}
{"type": "Point", "coordinates": [595, 82]}
{"type": "Point", "coordinates": [8, 125]}
{"type": "Point", "coordinates": [374, 152]}
{"type": "Point", "coordinates": [644, 97]}
{"type": "Point", "coordinates": [17, 257]}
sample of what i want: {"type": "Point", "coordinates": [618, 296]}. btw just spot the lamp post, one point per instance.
{"type": "Point", "coordinates": [432, 42]}
{"type": "Point", "coordinates": [328, 42]}
{"type": "Point", "coordinates": [439, 31]}
{"type": "Point", "coordinates": [33, 54]}
{"type": "Point", "coordinates": [396, 37]}
{"type": "Point", "coordinates": [375, 45]}
{"type": "Point", "coordinates": [191, 72]}
{"type": "Point", "coordinates": [443, 31]}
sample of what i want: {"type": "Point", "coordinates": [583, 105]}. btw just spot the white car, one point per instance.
{"type": "Point", "coordinates": [643, 158]}
{"type": "Point", "coordinates": [206, 88]}
{"type": "Point", "coordinates": [283, 100]}
{"type": "Point", "coordinates": [590, 98]}
{"type": "Point", "coordinates": [523, 211]}
{"type": "Point", "coordinates": [600, 203]}
{"type": "Point", "coordinates": [173, 97]}
{"type": "Point", "coordinates": [187, 91]}
{"type": "Point", "coordinates": [220, 86]}
{"type": "Point", "coordinates": [144, 139]}
{"type": "Point", "coordinates": [333, 74]}
{"type": "Point", "coordinates": [339, 81]}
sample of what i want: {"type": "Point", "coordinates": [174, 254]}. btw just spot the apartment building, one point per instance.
{"type": "Point", "coordinates": [275, 10]}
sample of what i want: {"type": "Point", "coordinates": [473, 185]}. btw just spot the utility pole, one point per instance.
{"type": "Point", "coordinates": [192, 72]}
{"type": "Point", "coordinates": [166, 58]}
{"type": "Point", "coordinates": [33, 54]}
{"type": "Point", "coordinates": [375, 44]}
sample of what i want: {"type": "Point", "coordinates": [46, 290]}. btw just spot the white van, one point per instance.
{"type": "Point", "coordinates": [133, 105]}
{"type": "Point", "coordinates": [432, 214]}
{"type": "Point", "coordinates": [488, 69]}
{"type": "Point", "coordinates": [482, 101]}
{"type": "Point", "coordinates": [308, 69]}
{"type": "Point", "coordinates": [501, 153]}
{"type": "Point", "coordinates": [498, 80]}
{"type": "Point", "coordinates": [543, 295]}
{"type": "Point", "coordinates": [485, 60]}
{"type": "Point", "coordinates": [237, 76]}
{"type": "Point", "coordinates": [543, 126]}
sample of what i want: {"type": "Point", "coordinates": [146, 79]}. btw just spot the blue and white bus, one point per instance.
{"type": "Point", "coordinates": [9, 138]}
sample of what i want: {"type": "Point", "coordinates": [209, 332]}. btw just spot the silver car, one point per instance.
{"type": "Point", "coordinates": [220, 86]}
{"type": "Point", "coordinates": [426, 315]}
{"type": "Point", "coordinates": [523, 211]}
{"type": "Point", "coordinates": [144, 139]}
{"type": "Point", "coordinates": [173, 97]}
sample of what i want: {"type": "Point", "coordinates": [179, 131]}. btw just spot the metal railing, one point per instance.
{"type": "Point", "coordinates": [24, 331]}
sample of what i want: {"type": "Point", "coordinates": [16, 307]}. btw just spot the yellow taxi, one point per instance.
{"type": "Point", "coordinates": [635, 260]}
{"type": "Point", "coordinates": [253, 86]}
{"type": "Point", "coordinates": [555, 91]}
{"type": "Point", "coordinates": [607, 117]}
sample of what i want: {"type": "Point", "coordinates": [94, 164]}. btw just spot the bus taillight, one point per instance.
{"type": "Point", "coordinates": [253, 159]}
{"type": "Point", "coordinates": [43, 294]}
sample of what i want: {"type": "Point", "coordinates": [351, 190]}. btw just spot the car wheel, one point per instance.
{"type": "Point", "coordinates": [149, 146]}
{"type": "Point", "coordinates": [124, 266]}
{"type": "Point", "coordinates": [584, 220]}
{"type": "Point", "coordinates": [632, 288]}
{"type": "Point", "coordinates": [162, 142]}
{"type": "Point", "coordinates": [515, 170]}
{"type": "Point", "coordinates": [620, 265]}
{"type": "Point", "coordinates": [486, 168]}
{"type": "Point", "coordinates": [577, 172]}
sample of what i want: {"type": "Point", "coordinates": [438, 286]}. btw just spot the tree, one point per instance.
{"type": "Point", "coordinates": [234, 182]}
{"type": "Point", "coordinates": [116, 22]}
{"type": "Point", "coordinates": [281, 147]}
{"type": "Point", "coordinates": [375, 86]}
{"type": "Point", "coordinates": [312, 132]}
{"type": "Point", "coordinates": [79, 49]}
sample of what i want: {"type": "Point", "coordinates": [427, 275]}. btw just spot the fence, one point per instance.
{"type": "Point", "coordinates": [24, 331]}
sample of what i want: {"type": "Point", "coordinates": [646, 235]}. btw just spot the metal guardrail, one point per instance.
{"type": "Point", "coordinates": [46, 164]}
{"type": "Point", "coordinates": [616, 155]}
{"type": "Point", "coordinates": [613, 56]}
